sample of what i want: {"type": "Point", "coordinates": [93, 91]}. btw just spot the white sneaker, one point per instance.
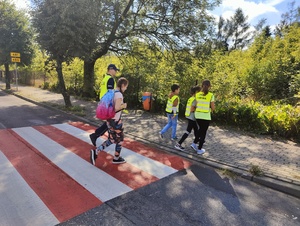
{"type": "Point", "coordinates": [179, 147]}
{"type": "Point", "coordinates": [194, 147]}
{"type": "Point", "coordinates": [201, 152]}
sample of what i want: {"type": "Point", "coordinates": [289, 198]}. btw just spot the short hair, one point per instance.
{"type": "Point", "coordinates": [174, 87]}
{"type": "Point", "coordinates": [195, 89]}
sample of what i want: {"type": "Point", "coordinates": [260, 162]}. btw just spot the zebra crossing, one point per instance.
{"type": "Point", "coordinates": [46, 177]}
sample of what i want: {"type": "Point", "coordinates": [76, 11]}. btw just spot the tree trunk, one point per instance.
{"type": "Point", "coordinates": [62, 85]}
{"type": "Point", "coordinates": [7, 76]}
{"type": "Point", "coordinates": [89, 79]}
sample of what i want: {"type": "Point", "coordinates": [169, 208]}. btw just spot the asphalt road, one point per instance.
{"type": "Point", "coordinates": [16, 112]}
{"type": "Point", "coordinates": [199, 195]}
{"type": "Point", "coordinates": [196, 196]}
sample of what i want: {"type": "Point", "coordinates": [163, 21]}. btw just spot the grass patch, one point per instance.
{"type": "Point", "coordinates": [255, 170]}
{"type": "Point", "coordinates": [76, 110]}
{"type": "Point", "coordinates": [229, 174]}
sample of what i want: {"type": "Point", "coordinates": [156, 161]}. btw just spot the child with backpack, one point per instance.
{"type": "Point", "coordinates": [115, 126]}
{"type": "Point", "coordinates": [190, 115]}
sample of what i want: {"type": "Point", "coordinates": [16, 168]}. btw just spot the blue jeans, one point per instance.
{"type": "Point", "coordinates": [171, 123]}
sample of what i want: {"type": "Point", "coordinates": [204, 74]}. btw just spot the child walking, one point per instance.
{"type": "Point", "coordinates": [205, 105]}
{"type": "Point", "coordinates": [172, 109]}
{"type": "Point", "coordinates": [115, 126]}
{"type": "Point", "coordinates": [190, 115]}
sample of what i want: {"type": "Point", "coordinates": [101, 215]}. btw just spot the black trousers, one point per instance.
{"type": "Point", "coordinates": [203, 126]}
{"type": "Point", "coordinates": [192, 125]}
{"type": "Point", "coordinates": [101, 130]}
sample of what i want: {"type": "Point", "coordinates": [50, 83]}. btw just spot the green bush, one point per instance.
{"type": "Point", "coordinates": [276, 119]}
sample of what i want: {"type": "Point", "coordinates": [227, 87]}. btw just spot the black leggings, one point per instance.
{"type": "Point", "coordinates": [192, 125]}
{"type": "Point", "coordinates": [115, 135]}
{"type": "Point", "coordinates": [203, 126]}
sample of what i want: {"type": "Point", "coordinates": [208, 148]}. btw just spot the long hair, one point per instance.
{"type": "Point", "coordinates": [205, 86]}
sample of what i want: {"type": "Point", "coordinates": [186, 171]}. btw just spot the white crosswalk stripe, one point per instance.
{"type": "Point", "coordinates": [150, 166]}
{"type": "Point", "coordinates": [17, 200]}
{"type": "Point", "coordinates": [73, 165]}
{"type": "Point", "coordinates": [20, 201]}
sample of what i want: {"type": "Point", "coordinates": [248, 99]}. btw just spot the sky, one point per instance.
{"type": "Point", "coordinates": [254, 9]}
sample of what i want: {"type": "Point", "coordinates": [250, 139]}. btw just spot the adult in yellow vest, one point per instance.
{"type": "Point", "coordinates": [205, 105]}
{"type": "Point", "coordinates": [172, 110]}
{"type": "Point", "coordinates": [190, 115]}
{"type": "Point", "coordinates": [107, 83]}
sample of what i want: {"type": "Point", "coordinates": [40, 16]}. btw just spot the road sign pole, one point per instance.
{"type": "Point", "coordinates": [16, 76]}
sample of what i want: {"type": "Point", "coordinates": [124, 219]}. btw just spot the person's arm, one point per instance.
{"type": "Point", "coordinates": [174, 108]}
{"type": "Point", "coordinates": [110, 83]}
{"type": "Point", "coordinates": [212, 103]}
{"type": "Point", "coordinates": [119, 105]}
{"type": "Point", "coordinates": [175, 103]}
{"type": "Point", "coordinates": [193, 108]}
{"type": "Point", "coordinates": [212, 106]}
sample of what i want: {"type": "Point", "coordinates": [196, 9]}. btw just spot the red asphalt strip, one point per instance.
{"type": "Point", "coordinates": [126, 173]}
{"type": "Point", "coordinates": [64, 197]}
{"type": "Point", "coordinates": [171, 160]}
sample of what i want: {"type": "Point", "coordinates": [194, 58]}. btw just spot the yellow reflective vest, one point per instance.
{"type": "Point", "coordinates": [103, 85]}
{"type": "Point", "coordinates": [189, 106]}
{"type": "Point", "coordinates": [170, 104]}
{"type": "Point", "coordinates": [203, 102]}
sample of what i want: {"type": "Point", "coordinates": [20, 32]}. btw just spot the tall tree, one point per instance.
{"type": "Point", "coordinates": [65, 30]}
{"type": "Point", "coordinates": [233, 33]}
{"type": "Point", "coordinates": [240, 30]}
{"type": "Point", "coordinates": [288, 18]}
{"type": "Point", "coordinates": [170, 24]}
{"type": "Point", "coordinates": [223, 33]}
{"type": "Point", "coordinates": [15, 36]}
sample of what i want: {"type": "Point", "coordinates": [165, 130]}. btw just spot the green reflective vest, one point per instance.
{"type": "Point", "coordinates": [170, 104]}
{"type": "Point", "coordinates": [203, 102]}
{"type": "Point", "coordinates": [189, 106]}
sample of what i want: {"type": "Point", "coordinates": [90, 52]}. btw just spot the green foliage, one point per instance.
{"type": "Point", "coordinates": [275, 119]}
{"type": "Point", "coordinates": [256, 89]}
{"type": "Point", "coordinates": [275, 69]}
{"type": "Point", "coordinates": [63, 28]}
{"type": "Point", "coordinates": [255, 170]}
{"type": "Point", "coordinates": [16, 34]}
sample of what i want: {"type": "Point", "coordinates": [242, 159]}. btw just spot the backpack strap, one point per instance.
{"type": "Point", "coordinates": [115, 91]}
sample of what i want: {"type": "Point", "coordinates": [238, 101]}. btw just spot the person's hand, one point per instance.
{"type": "Point", "coordinates": [125, 111]}
{"type": "Point", "coordinates": [124, 105]}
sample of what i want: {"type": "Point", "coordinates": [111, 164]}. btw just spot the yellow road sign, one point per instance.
{"type": "Point", "coordinates": [14, 59]}
{"type": "Point", "coordinates": [14, 54]}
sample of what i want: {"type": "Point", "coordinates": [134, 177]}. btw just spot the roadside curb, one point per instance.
{"type": "Point", "coordinates": [267, 181]}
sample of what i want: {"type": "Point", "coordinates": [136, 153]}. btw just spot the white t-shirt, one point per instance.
{"type": "Point", "coordinates": [118, 95]}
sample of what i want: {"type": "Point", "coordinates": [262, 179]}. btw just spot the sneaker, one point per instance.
{"type": "Point", "coordinates": [194, 147]}
{"type": "Point", "coordinates": [201, 151]}
{"type": "Point", "coordinates": [93, 156]}
{"type": "Point", "coordinates": [100, 148]}
{"type": "Point", "coordinates": [179, 147]}
{"type": "Point", "coordinates": [174, 138]}
{"type": "Point", "coordinates": [93, 138]}
{"type": "Point", "coordinates": [119, 160]}
{"type": "Point", "coordinates": [161, 135]}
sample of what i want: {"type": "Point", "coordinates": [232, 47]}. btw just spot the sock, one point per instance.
{"type": "Point", "coordinates": [116, 157]}
{"type": "Point", "coordinates": [99, 148]}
